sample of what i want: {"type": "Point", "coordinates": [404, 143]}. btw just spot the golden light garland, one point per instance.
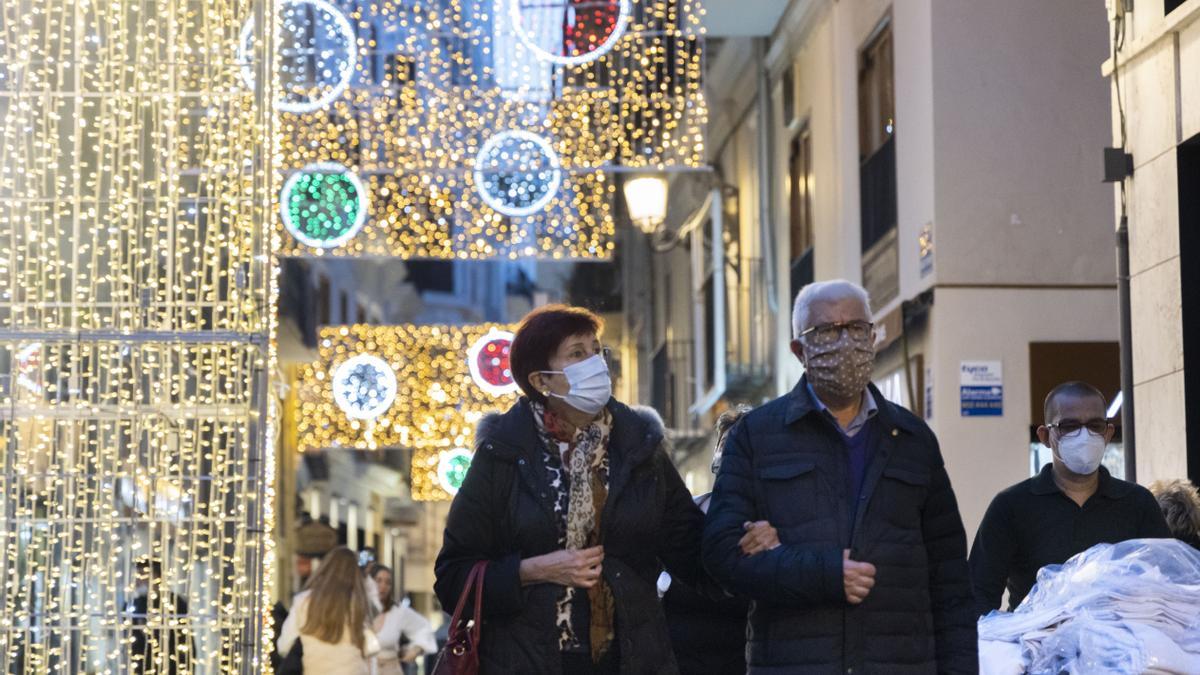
{"type": "Point", "coordinates": [136, 297]}
{"type": "Point", "coordinates": [434, 82]}
{"type": "Point", "coordinates": [437, 403]}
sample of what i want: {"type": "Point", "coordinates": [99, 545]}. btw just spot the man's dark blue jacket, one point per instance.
{"type": "Point", "coordinates": [785, 462]}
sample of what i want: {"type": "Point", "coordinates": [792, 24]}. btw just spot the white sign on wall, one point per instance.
{"type": "Point", "coordinates": [981, 388]}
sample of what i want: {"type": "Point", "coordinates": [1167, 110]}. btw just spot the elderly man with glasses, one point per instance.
{"type": "Point", "coordinates": [870, 574]}
{"type": "Point", "coordinates": [1070, 506]}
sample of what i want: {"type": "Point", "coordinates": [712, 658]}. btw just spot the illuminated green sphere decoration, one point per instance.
{"type": "Point", "coordinates": [323, 205]}
{"type": "Point", "coordinates": [452, 469]}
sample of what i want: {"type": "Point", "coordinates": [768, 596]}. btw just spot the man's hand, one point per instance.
{"type": "Point", "coordinates": [577, 568]}
{"type": "Point", "coordinates": [760, 536]}
{"type": "Point", "coordinates": [858, 578]}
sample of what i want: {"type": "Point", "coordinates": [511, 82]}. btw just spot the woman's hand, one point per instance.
{"type": "Point", "coordinates": [760, 536]}
{"type": "Point", "coordinates": [577, 568]}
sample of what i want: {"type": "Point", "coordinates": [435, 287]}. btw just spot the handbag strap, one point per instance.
{"type": "Point", "coordinates": [475, 627]}
{"type": "Point", "coordinates": [474, 582]}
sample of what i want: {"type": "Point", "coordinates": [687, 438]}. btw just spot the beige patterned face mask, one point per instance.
{"type": "Point", "coordinates": [839, 371]}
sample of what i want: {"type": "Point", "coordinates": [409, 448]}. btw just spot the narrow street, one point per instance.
{"type": "Point", "coordinates": [776, 336]}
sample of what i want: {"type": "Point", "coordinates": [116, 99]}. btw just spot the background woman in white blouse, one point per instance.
{"type": "Point", "coordinates": [398, 625]}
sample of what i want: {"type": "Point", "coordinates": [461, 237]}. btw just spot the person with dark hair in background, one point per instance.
{"type": "Point", "coordinates": [404, 635]}
{"type": "Point", "coordinates": [161, 643]}
{"type": "Point", "coordinates": [709, 636]}
{"type": "Point", "coordinates": [1180, 504]}
{"type": "Point", "coordinates": [1072, 505]}
{"type": "Point", "coordinates": [573, 501]}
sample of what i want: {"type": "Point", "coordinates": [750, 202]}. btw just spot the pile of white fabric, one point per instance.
{"type": "Point", "coordinates": [1125, 608]}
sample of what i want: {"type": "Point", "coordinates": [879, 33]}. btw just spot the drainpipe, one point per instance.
{"type": "Point", "coordinates": [1127, 428]}
{"type": "Point", "coordinates": [766, 143]}
{"type": "Point", "coordinates": [766, 137]}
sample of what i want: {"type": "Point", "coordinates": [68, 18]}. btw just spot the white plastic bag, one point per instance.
{"type": "Point", "coordinates": [1115, 608]}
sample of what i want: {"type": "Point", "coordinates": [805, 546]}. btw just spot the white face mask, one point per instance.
{"type": "Point", "coordinates": [591, 386]}
{"type": "Point", "coordinates": [1081, 451]}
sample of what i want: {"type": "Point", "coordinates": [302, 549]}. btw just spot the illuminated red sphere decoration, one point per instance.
{"type": "Point", "coordinates": [570, 32]}
{"type": "Point", "coordinates": [488, 360]}
{"type": "Point", "coordinates": [589, 25]}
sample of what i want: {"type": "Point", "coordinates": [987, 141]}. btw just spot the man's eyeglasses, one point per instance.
{"type": "Point", "coordinates": [829, 333]}
{"type": "Point", "coordinates": [1065, 428]}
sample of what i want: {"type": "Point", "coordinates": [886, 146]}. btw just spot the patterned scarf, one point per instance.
{"type": "Point", "coordinates": [584, 460]}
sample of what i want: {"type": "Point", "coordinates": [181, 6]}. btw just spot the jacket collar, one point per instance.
{"type": "Point", "coordinates": [802, 404]}
{"type": "Point", "coordinates": [1043, 483]}
{"type": "Point", "coordinates": [510, 434]}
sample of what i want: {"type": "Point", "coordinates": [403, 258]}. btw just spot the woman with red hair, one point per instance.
{"type": "Point", "coordinates": [573, 501]}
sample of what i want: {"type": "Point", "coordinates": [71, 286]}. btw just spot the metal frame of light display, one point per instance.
{"type": "Point", "coordinates": [434, 83]}
{"type": "Point", "coordinates": [137, 297]}
{"type": "Point", "coordinates": [439, 396]}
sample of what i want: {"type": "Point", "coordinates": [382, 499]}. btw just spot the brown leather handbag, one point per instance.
{"type": "Point", "coordinates": [460, 656]}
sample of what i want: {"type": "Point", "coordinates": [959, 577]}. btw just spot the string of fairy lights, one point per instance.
{"type": "Point", "coordinates": [418, 387]}
{"type": "Point", "coordinates": [479, 128]}
{"type": "Point", "coordinates": [137, 296]}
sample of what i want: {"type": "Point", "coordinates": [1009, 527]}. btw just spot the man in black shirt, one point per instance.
{"type": "Point", "coordinates": [1072, 505]}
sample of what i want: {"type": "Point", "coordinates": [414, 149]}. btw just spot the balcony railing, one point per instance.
{"type": "Point", "coordinates": [750, 329]}
{"type": "Point", "coordinates": [671, 383]}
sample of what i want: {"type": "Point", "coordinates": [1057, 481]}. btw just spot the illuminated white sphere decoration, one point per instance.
{"type": "Point", "coordinates": [323, 205]}
{"type": "Point", "coordinates": [488, 362]}
{"type": "Point", "coordinates": [517, 172]}
{"type": "Point", "coordinates": [364, 387]}
{"type": "Point", "coordinates": [452, 469]}
{"type": "Point", "coordinates": [325, 34]}
{"type": "Point", "coordinates": [550, 28]}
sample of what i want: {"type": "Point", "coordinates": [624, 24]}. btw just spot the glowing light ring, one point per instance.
{"type": "Point", "coordinates": [345, 72]}
{"type": "Point", "coordinates": [297, 230]}
{"type": "Point", "coordinates": [514, 11]}
{"type": "Point", "coordinates": [477, 374]}
{"type": "Point", "coordinates": [452, 469]}
{"type": "Point", "coordinates": [364, 387]}
{"type": "Point", "coordinates": [488, 153]}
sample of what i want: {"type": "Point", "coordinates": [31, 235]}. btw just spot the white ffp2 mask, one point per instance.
{"type": "Point", "coordinates": [591, 386]}
{"type": "Point", "coordinates": [1081, 451]}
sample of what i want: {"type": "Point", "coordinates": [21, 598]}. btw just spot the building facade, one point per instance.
{"type": "Point", "coordinates": [1155, 75]}
{"type": "Point", "coordinates": [885, 133]}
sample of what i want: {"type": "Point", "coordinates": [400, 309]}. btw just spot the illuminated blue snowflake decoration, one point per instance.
{"type": "Point", "coordinates": [517, 173]}
{"type": "Point", "coordinates": [364, 387]}
{"type": "Point", "coordinates": [317, 57]}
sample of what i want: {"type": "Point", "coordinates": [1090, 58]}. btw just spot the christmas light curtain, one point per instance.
{"type": "Point", "coordinates": [136, 309]}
